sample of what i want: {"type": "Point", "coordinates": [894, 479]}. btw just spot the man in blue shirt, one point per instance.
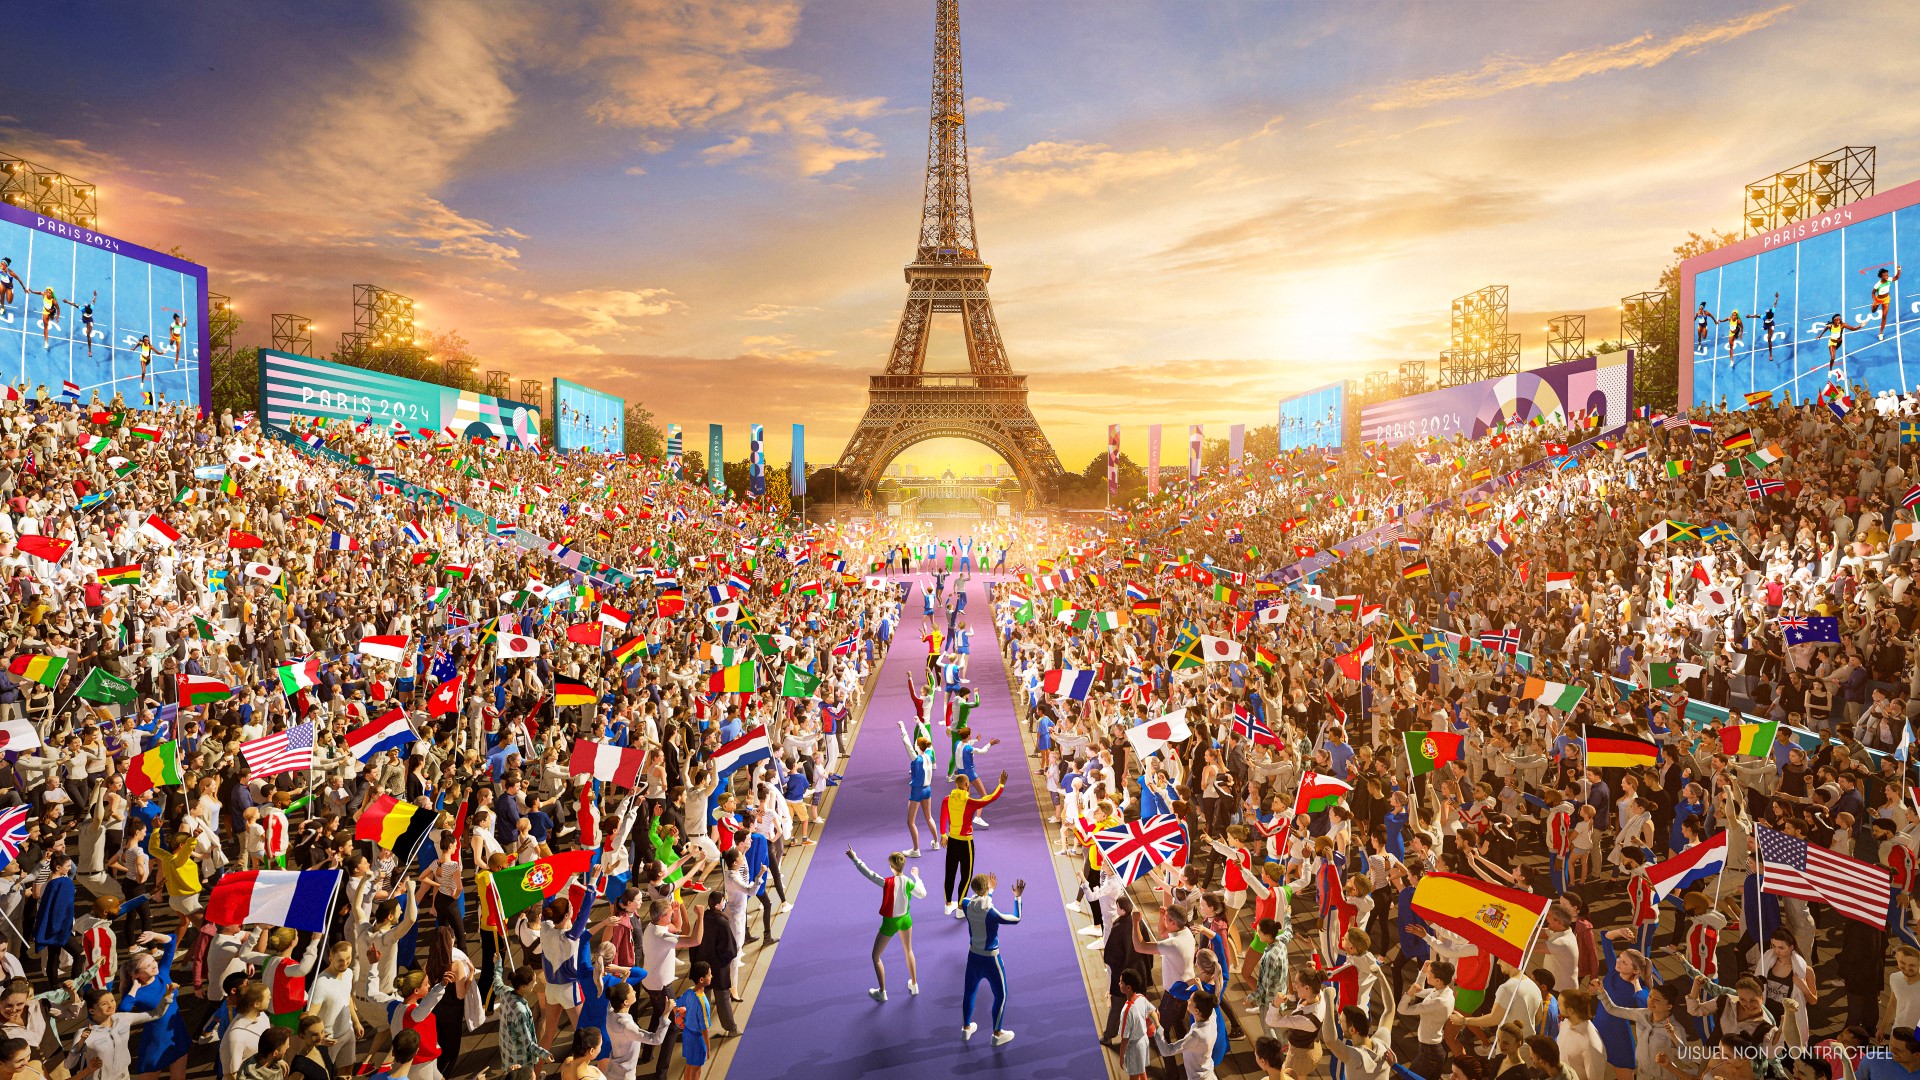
{"type": "Point", "coordinates": [983, 954]}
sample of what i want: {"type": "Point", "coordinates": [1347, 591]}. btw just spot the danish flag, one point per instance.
{"type": "Point", "coordinates": [1137, 846]}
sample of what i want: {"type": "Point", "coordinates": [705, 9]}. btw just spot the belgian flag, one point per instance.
{"type": "Point", "coordinates": [397, 826]}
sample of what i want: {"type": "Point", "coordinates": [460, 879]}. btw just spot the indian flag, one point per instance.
{"type": "Point", "coordinates": [1559, 695]}
{"type": "Point", "coordinates": [158, 767]}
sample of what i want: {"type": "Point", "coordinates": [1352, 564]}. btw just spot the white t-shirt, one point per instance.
{"type": "Point", "coordinates": [1906, 1000]}
{"type": "Point", "coordinates": [1176, 958]}
{"type": "Point", "coordinates": [658, 956]}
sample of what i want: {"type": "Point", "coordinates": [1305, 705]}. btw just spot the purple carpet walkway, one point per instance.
{"type": "Point", "coordinates": [813, 1018]}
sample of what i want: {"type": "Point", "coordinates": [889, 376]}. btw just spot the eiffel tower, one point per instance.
{"type": "Point", "coordinates": [988, 403]}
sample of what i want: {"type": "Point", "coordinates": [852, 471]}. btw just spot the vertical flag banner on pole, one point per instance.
{"type": "Point", "coordinates": [716, 459]}
{"type": "Point", "coordinates": [674, 440]}
{"type": "Point", "coordinates": [1113, 460]}
{"type": "Point", "coordinates": [756, 460]}
{"type": "Point", "coordinates": [798, 469]}
{"type": "Point", "coordinates": [1236, 445]}
{"type": "Point", "coordinates": [1193, 453]}
{"type": "Point", "coordinates": [1153, 459]}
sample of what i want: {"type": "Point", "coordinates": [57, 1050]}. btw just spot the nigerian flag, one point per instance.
{"type": "Point", "coordinates": [797, 682]}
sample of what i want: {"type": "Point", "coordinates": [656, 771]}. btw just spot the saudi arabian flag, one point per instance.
{"type": "Point", "coordinates": [1558, 695]}
{"type": "Point", "coordinates": [104, 689]}
{"type": "Point", "coordinates": [1023, 611]}
{"type": "Point", "coordinates": [797, 682]}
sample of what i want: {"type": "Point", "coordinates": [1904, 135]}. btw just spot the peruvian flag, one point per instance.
{"type": "Point", "coordinates": [389, 647]}
{"type": "Point", "coordinates": [604, 761]}
{"type": "Point", "coordinates": [445, 697]}
{"type": "Point", "coordinates": [1350, 662]}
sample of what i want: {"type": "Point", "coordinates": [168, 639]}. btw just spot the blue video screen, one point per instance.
{"type": "Point", "coordinates": [108, 317]}
{"type": "Point", "coordinates": [586, 419]}
{"type": "Point", "coordinates": [1315, 419]}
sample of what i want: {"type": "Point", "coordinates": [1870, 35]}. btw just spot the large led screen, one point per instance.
{"type": "Point", "coordinates": [586, 419]}
{"type": "Point", "coordinates": [1315, 419]}
{"type": "Point", "coordinates": [294, 387]}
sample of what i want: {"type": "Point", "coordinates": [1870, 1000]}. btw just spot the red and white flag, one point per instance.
{"type": "Point", "coordinates": [603, 761]}
{"type": "Point", "coordinates": [159, 531]}
{"type": "Point", "coordinates": [614, 617]}
{"type": "Point", "coordinates": [384, 646]}
{"type": "Point", "coordinates": [445, 697]}
{"type": "Point", "coordinates": [1557, 581]}
{"type": "Point", "coordinates": [1218, 649]}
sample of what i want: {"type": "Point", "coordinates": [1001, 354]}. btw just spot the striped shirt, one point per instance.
{"type": "Point", "coordinates": [897, 891]}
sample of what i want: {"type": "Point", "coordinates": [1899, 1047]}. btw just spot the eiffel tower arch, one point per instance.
{"type": "Point", "coordinates": [988, 402]}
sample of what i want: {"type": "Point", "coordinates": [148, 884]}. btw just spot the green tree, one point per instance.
{"type": "Point", "coordinates": [644, 437]}
{"type": "Point", "coordinates": [1656, 370]}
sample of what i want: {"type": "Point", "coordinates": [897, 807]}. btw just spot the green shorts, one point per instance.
{"type": "Point", "coordinates": [893, 924]}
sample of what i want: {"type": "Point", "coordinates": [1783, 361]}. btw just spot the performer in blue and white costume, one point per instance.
{"type": "Point", "coordinates": [983, 954]}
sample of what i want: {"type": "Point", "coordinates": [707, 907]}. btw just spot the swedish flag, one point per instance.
{"type": "Point", "coordinates": [1909, 431]}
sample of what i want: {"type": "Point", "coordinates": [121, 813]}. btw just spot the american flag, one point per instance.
{"type": "Point", "coordinates": [290, 750]}
{"type": "Point", "coordinates": [1672, 423]}
{"type": "Point", "coordinates": [13, 834]}
{"type": "Point", "coordinates": [1137, 846]}
{"type": "Point", "coordinates": [1795, 868]}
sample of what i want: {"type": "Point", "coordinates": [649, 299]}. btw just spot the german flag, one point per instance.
{"type": "Point", "coordinates": [1415, 570]}
{"type": "Point", "coordinates": [1610, 749]}
{"type": "Point", "coordinates": [316, 521]}
{"type": "Point", "coordinates": [572, 693]}
{"type": "Point", "coordinates": [1739, 440]}
{"type": "Point", "coordinates": [1149, 606]}
{"type": "Point", "coordinates": [397, 826]}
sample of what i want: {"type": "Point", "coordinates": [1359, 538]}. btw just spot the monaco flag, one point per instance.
{"type": "Point", "coordinates": [603, 761]}
{"type": "Point", "coordinates": [389, 647]}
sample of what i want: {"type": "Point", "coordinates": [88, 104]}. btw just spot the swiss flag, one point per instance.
{"type": "Point", "coordinates": [445, 697]}
{"type": "Point", "coordinates": [585, 633]}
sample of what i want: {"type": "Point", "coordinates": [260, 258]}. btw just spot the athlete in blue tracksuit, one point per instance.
{"type": "Point", "coordinates": [983, 954]}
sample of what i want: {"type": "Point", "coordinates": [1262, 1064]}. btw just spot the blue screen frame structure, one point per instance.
{"type": "Point", "coordinates": [1314, 420]}
{"type": "Point", "coordinates": [586, 419]}
{"type": "Point", "coordinates": [124, 319]}
{"type": "Point", "coordinates": [1820, 268]}
{"type": "Point", "coordinates": [295, 388]}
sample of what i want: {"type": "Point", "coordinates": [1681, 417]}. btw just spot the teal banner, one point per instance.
{"type": "Point", "coordinates": [716, 458]}
{"type": "Point", "coordinates": [798, 470]}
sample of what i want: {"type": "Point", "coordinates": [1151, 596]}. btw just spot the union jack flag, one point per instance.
{"type": "Point", "coordinates": [1138, 846]}
{"type": "Point", "coordinates": [1506, 641]}
{"type": "Point", "coordinates": [1793, 622]}
{"type": "Point", "coordinates": [13, 834]}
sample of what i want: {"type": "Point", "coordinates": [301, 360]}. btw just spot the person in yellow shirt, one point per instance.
{"type": "Point", "coordinates": [956, 822]}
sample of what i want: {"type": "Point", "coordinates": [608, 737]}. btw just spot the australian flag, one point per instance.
{"type": "Point", "coordinates": [444, 669]}
{"type": "Point", "coordinates": [1800, 630]}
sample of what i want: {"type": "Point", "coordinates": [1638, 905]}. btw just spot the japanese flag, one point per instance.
{"type": "Point", "coordinates": [1154, 734]}
{"type": "Point", "coordinates": [263, 571]}
{"type": "Point", "coordinates": [1219, 649]}
{"type": "Point", "coordinates": [1717, 599]}
{"type": "Point", "coordinates": [513, 645]}
{"type": "Point", "coordinates": [723, 613]}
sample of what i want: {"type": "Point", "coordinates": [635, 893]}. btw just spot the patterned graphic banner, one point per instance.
{"type": "Point", "coordinates": [1153, 459]}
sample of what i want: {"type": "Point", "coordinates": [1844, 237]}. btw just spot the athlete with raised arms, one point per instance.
{"type": "Point", "coordinates": [1883, 297]}
{"type": "Point", "coordinates": [983, 954]}
{"type": "Point", "coordinates": [898, 890]}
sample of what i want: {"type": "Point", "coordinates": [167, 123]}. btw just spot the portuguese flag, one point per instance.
{"type": "Point", "coordinates": [1428, 750]}
{"type": "Point", "coordinates": [517, 888]}
{"type": "Point", "coordinates": [158, 767]}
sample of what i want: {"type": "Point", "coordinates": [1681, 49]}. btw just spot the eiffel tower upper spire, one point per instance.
{"type": "Point", "coordinates": [946, 217]}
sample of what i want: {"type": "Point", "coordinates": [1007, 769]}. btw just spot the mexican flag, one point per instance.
{"type": "Point", "coordinates": [795, 682]}
{"type": "Point", "coordinates": [1559, 695]}
{"type": "Point", "coordinates": [517, 888]}
{"type": "Point", "coordinates": [1318, 792]}
{"type": "Point", "coordinates": [1428, 750]}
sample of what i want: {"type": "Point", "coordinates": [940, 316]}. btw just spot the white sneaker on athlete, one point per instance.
{"type": "Point", "coordinates": [1077, 907]}
{"type": "Point", "coordinates": [1089, 931]}
{"type": "Point", "coordinates": [786, 907]}
{"type": "Point", "coordinates": [914, 854]}
{"type": "Point", "coordinates": [980, 823]}
{"type": "Point", "coordinates": [877, 994]}
{"type": "Point", "coordinates": [1002, 1038]}
{"type": "Point", "coordinates": [949, 909]}
{"type": "Point", "coordinates": [967, 1032]}
{"type": "Point", "coordinates": [913, 989]}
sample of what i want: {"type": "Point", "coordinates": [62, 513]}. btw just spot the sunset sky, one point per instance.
{"type": "Point", "coordinates": [1193, 207]}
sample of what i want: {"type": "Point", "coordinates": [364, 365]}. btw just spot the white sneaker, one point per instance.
{"type": "Point", "coordinates": [914, 854]}
{"type": "Point", "coordinates": [1002, 1038]}
{"type": "Point", "coordinates": [877, 994]}
{"type": "Point", "coordinates": [980, 823]}
{"type": "Point", "coordinates": [1089, 931]}
{"type": "Point", "coordinates": [786, 907]}
{"type": "Point", "coordinates": [959, 912]}
{"type": "Point", "coordinates": [913, 989]}
{"type": "Point", "coordinates": [1077, 907]}
{"type": "Point", "coordinates": [1095, 946]}
{"type": "Point", "coordinates": [950, 908]}
{"type": "Point", "coordinates": [967, 1032]}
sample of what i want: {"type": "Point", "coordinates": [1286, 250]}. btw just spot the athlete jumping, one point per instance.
{"type": "Point", "coordinates": [1883, 297]}
{"type": "Point", "coordinates": [897, 893]}
{"type": "Point", "coordinates": [983, 955]}
{"type": "Point", "coordinates": [1836, 332]}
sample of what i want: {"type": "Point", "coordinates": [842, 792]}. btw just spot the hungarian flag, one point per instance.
{"type": "Point", "coordinates": [1499, 920]}
{"type": "Point", "coordinates": [603, 761]}
{"type": "Point", "coordinates": [517, 888]}
{"type": "Point", "coordinates": [1318, 792]}
{"type": "Point", "coordinates": [1428, 750]}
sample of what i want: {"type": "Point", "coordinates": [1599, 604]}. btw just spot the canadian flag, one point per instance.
{"type": "Point", "coordinates": [1149, 737]}
{"type": "Point", "coordinates": [1218, 649]}
{"type": "Point", "coordinates": [513, 645]}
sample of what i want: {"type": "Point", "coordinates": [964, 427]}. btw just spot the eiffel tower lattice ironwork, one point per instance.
{"type": "Point", "coordinates": [988, 403]}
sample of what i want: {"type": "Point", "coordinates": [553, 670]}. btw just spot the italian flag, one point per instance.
{"type": "Point", "coordinates": [1559, 695]}
{"type": "Point", "coordinates": [1319, 792]}
{"type": "Point", "coordinates": [298, 676]}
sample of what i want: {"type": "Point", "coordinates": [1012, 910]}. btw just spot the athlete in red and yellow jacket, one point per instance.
{"type": "Point", "coordinates": [956, 822]}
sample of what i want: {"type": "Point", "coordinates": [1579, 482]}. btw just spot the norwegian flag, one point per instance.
{"type": "Point", "coordinates": [1759, 487]}
{"type": "Point", "coordinates": [1506, 641]}
{"type": "Point", "coordinates": [1253, 727]}
{"type": "Point", "coordinates": [845, 646]}
{"type": "Point", "coordinates": [1138, 846]}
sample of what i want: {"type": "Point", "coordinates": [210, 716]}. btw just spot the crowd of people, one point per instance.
{"type": "Point", "coordinates": [333, 749]}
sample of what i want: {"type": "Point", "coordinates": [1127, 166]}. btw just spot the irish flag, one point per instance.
{"type": "Point", "coordinates": [157, 767]}
{"type": "Point", "coordinates": [1318, 792]}
{"type": "Point", "coordinates": [1559, 695]}
{"type": "Point", "coordinates": [296, 899]}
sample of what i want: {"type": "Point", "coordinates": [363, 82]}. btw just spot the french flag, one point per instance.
{"type": "Point", "coordinates": [749, 748]}
{"type": "Point", "coordinates": [1698, 863]}
{"type": "Point", "coordinates": [1072, 683]}
{"type": "Point", "coordinates": [389, 732]}
{"type": "Point", "coordinates": [296, 899]}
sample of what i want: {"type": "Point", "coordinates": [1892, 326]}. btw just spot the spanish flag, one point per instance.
{"type": "Point", "coordinates": [1501, 921]}
{"type": "Point", "coordinates": [394, 825]}
{"type": "Point", "coordinates": [1610, 749]}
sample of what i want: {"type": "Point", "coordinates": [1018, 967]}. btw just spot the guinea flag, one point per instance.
{"type": "Point", "coordinates": [1428, 750]}
{"type": "Point", "coordinates": [157, 767]}
{"type": "Point", "coordinates": [1753, 740]}
{"type": "Point", "coordinates": [1318, 792]}
{"type": "Point", "coordinates": [44, 670]}
{"type": "Point", "coordinates": [738, 679]}
{"type": "Point", "coordinates": [517, 888]}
